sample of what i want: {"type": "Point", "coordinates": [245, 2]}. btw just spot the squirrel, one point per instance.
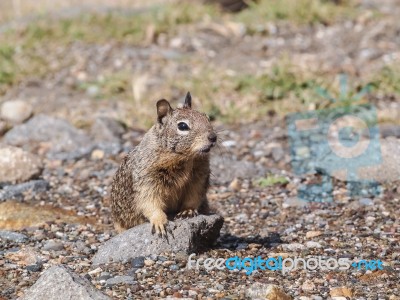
{"type": "Point", "coordinates": [168, 173]}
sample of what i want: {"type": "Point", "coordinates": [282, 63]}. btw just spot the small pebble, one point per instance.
{"type": "Point", "coordinates": [120, 279]}
{"type": "Point", "coordinates": [138, 262]}
{"type": "Point", "coordinates": [53, 246]}
{"type": "Point", "coordinates": [149, 262]}
{"type": "Point", "coordinates": [174, 267]}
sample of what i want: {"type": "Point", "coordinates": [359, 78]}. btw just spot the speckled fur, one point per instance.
{"type": "Point", "coordinates": [167, 173]}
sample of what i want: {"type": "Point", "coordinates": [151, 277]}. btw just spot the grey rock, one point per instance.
{"type": "Point", "coordinates": [182, 256]}
{"type": "Point", "coordinates": [138, 262]}
{"type": "Point", "coordinates": [60, 283]}
{"type": "Point", "coordinates": [120, 279]}
{"type": "Point", "coordinates": [107, 133]}
{"type": "Point", "coordinates": [241, 218]}
{"type": "Point", "coordinates": [13, 236]}
{"type": "Point", "coordinates": [174, 267]}
{"type": "Point", "coordinates": [80, 246]}
{"type": "Point", "coordinates": [52, 245]}
{"type": "Point", "coordinates": [153, 257]}
{"type": "Point", "coordinates": [16, 111]}
{"type": "Point", "coordinates": [66, 141]}
{"type": "Point", "coordinates": [17, 190]}
{"type": "Point", "coordinates": [105, 276]}
{"type": "Point", "coordinates": [132, 272]}
{"type": "Point", "coordinates": [17, 165]}
{"type": "Point", "coordinates": [266, 291]}
{"type": "Point", "coordinates": [293, 247]}
{"type": "Point", "coordinates": [186, 236]}
{"type": "Point", "coordinates": [312, 244]}
{"type": "Point", "coordinates": [225, 168]}
{"type": "Point", "coordinates": [106, 129]}
{"type": "Point", "coordinates": [242, 246]}
{"type": "Point", "coordinates": [366, 201]}
{"type": "Point", "coordinates": [277, 153]}
{"type": "Point", "coordinates": [35, 267]}
{"type": "Point", "coordinates": [294, 202]}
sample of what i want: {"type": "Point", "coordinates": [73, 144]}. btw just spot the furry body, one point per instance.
{"type": "Point", "coordinates": [167, 173]}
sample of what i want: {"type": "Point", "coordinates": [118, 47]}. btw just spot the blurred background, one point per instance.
{"type": "Point", "coordinates": [242, 61]}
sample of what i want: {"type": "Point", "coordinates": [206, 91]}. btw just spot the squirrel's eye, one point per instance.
{"type": "Point", "coordinates": [182, 126]}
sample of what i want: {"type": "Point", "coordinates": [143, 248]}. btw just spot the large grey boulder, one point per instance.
{"type": "Point", "coordinates": [17, 165]}
{"type": "Point", "coordinates": [64, 140]}
{"type": "Point", "coordinates": [190, 235]}
{"type": "Point", "coordinates": [60, 283]}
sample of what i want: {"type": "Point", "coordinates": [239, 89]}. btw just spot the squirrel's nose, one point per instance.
{"type": "Point", "coordinates": [212, 137]}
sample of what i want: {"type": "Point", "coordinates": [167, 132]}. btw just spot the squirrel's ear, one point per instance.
{"type": "Point", "coordinates": [188, 101]}
{"type": "Point", "coordinates": [163, 109]}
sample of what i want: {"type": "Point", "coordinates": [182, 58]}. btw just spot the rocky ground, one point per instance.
{"type": "Point", "coordinates": [60, 146]}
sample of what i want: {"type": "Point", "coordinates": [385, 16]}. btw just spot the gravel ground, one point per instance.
{"type": "Point", "coordinates": [259, 221]}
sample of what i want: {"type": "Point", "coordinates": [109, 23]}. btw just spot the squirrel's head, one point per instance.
{"type": "Point", "coordinates": [184, 130]}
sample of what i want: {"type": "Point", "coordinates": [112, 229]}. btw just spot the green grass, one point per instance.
{"type": "Point", "coordinates": [115, 26]}
{"type": "Point", "coordinates": [271, 180]}
{"type": "Point", "coordinates": [282, 89]}
{"type": "Point", "coordinates": [387, 81]}
{"type": "Point", "coordinates": [21, 50]}
{"type": "Point", "coordinates": [277, 84]}
{"type": "Point", "coordinates": [298, 11]}
{"type": "Point", "coordinates": [29, 51]}
{"type": "Point", "coordinates": [7, 65]}
{"type": "Point", "coordinates": [108, 86]}
{"type": "Point", "coordinates": [130, 29]}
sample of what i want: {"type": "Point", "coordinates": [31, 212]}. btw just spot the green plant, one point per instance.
{"type": "Point", "coordinates": [388, 80]}
{"type": "Point", "coordinates": [7, 65]}
{"type": "Point", "coordinates": [281, 82]}
{"type": "Point", "coordinates": [271, 180]}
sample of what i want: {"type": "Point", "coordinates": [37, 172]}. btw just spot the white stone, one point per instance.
{"type": "Point", "coordinates": [16, 111]}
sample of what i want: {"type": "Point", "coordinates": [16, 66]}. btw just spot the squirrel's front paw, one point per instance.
{"type": "Point", "coordinates": [187, 213]}
{"type": "Point", "coordinates": [158, 223]}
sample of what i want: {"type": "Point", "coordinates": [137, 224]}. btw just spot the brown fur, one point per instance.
{"type": "Point", "coordinates": [167, 173]}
